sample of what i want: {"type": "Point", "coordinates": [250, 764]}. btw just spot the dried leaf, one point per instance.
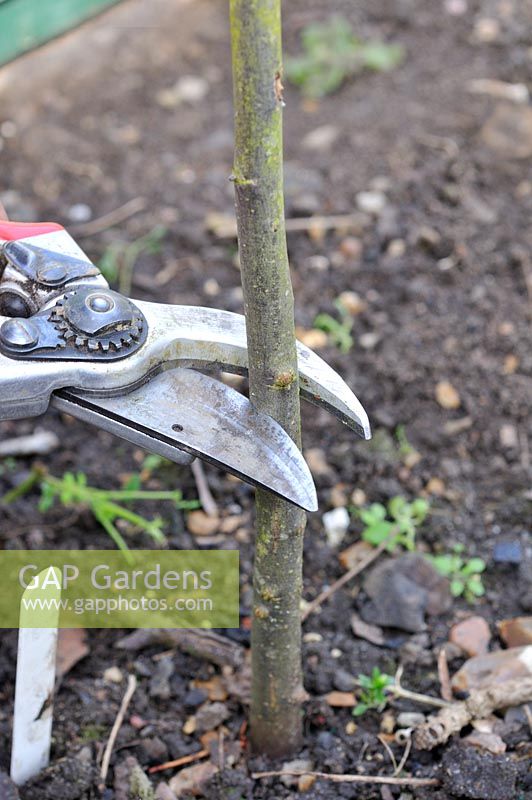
{"type": "Point", "coordinates": [71, 647]}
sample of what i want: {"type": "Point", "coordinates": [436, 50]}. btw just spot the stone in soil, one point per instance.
{"type": "Point", "coordinates": [201, 524]}
{"type": "Point", "coordinates": [516, 632]}
{"type": "Point", "coordinates": [154, 750]}
{"type": "Point", "coordinates": [372, 633]}
{"type": "Point", "coordinates": [468, 773]}
{"type": "Point", "coordinates": [68, 778]}
{"type": "Point", "coordinates": [343, 680]}
{"type": "Point", "coordinates": [525, 584]}
{"type": "Point", "coordinates": [191, 780]}
{"type": "Point", "coordinates": [193, 699]}
{"type": "Point", "coordinates": [402, 591]}
{"type": "Point", "coordinates": [410, 719]}
{"type": "Point", "coordinates": [483, 740]}
{"type": "Point", "coordinates": [163, 792]}
{"type": "Point", "coordinates": [472, 635]}
{"type": "Point", "coordinates": [297, 765]}
{"type": "Point", "coordinates": [336, 523]}
{"type": "Point", "coordinates": [508, 553]}
{"type": "Point", "coordinates": [210, 716]}
{"type": "Point", "coordinates": [490, 668]}
{"type": "Point", "coordinates": [160, 682]}
{"type": "Point", "coordinates": [508, 132]}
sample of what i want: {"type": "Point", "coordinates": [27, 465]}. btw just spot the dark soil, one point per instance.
{"type": "Point", "coordinates": [445, 271]}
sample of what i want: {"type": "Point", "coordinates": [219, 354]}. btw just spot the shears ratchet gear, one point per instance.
{"type": "Point", "coordinates": [129, 366]}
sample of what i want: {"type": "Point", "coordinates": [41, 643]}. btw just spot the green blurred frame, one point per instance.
{"type": "Point", "coordinates": [25, 24]}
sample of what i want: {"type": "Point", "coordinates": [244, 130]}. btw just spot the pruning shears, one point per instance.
{"type": "Point", "coordinates": [131, 367]}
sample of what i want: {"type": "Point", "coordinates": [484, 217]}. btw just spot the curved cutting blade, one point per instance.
{"type": "Point", "coordinates": [183, 410]}
{"type": "Point", "coordinates": [201, 337]}
{"type": "Point", "coordinates": [178, 336]}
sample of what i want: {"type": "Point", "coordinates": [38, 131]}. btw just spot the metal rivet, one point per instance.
{"type": "Point", "coordinates": [52, 273]}
{"type": "Point", "coordinates": [100, 303]}
{"type": "Point", "coordinates": [19, 333]}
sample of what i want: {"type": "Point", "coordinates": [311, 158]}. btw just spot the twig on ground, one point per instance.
{"type": "Point", "coordinates": [346, 577]}
{"type": "Point", "coordinates": [38, 443]}
{"type": "Point", "coordinates": [480, 704]}
{"type": "Point", "coordinates": [443, 675]}
{"type": "Point", "coordinates": [131, 686]}
{"type": "Point", "coordinates": [197, 642]}
{"type": "Point", "coordinates": [111, 219]}
{"type": "Point", "coordinates": [206, 499]}
{"type": "Point", "coordinates": [389, 750]}
{"type": "Point", "coordinates": [397, 690]}
{"type": "Point", "coordinates": [404, 757]}
{"type": "Point", "coordinates": [179, 762]}
{"type": "Point", "coordinates": [338, 778]}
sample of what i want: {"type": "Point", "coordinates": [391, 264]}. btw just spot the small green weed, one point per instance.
{"type": "Point", "coordinates": [373, 691]}
{"type": "Point", "coordinates": [119, 259]}
{"type": "Point", "coordinates": [464, 574]}
{"type": "Point", "coordinates": [72, 490]}
{"type": "Point", "coordinates": [92, 733]}
{"type": "Point", "coordinates": [398, 522]}
{"type": "Point", "coordinates": [8, 465]}
{"type": "Point", "coordinates": [339, 331]}
{"type": "Point", "coordinates": [332, 53]}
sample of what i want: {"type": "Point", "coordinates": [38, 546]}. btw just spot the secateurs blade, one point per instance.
{"type": "Point", "coordinates": [129, 366]}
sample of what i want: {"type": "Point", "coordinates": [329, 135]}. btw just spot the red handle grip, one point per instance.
{"type": "Point", "coordinates": [12, 231]}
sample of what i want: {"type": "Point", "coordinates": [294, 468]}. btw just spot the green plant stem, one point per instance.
{"type": "Point", "coordinates": [112, 531]}
{"type": "Point", "coordinates": [275, 720]}
{"type": "Point", "coordinates": [23, 488]}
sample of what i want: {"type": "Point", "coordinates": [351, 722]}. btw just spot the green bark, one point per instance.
{"type": "Point", "coordinates": [276, 722]}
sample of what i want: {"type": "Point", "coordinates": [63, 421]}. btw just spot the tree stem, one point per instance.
{"type": "Point", "coordinates": [276, 724]}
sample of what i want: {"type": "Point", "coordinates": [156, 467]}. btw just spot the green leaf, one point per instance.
{"type": "Point", "coordinates": [332, 54]}
{"type": "Point", "coordinates": [382, 57]}
{"type": "Point", "coordinates": [397, 507]}
{"type": "Point", "coordinates": [377, 533]}
{"type": "Point", "coordinates": [473, 565]}
{"type": "Point", "coordinates": [360, 709]}
{"type": "Point", "coordinates": [374, 513]}
{"type": "Point", "coordinates": [47, 497]}
{"type": "Point", "coordinates": [457, 587]}
{"type": "Point", "coordinates": [475, 586]}
{"type": "Point", "coordinates": [420, 509]}
{"type": "Point", "coordinates": [133, 483]}
{"type": "Point", "coordinates": [445, 564]}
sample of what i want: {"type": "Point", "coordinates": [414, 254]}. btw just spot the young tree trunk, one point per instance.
{"type": "Point", "coordinates": [276, 721]}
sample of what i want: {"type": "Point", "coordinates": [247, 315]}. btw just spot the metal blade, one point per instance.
{"type": "Point", "coordinates": [178, 336]}
{"type": "Point", "coordinates": [182, 410]}
{"type": "Point", "coordinates": [202, 337]}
